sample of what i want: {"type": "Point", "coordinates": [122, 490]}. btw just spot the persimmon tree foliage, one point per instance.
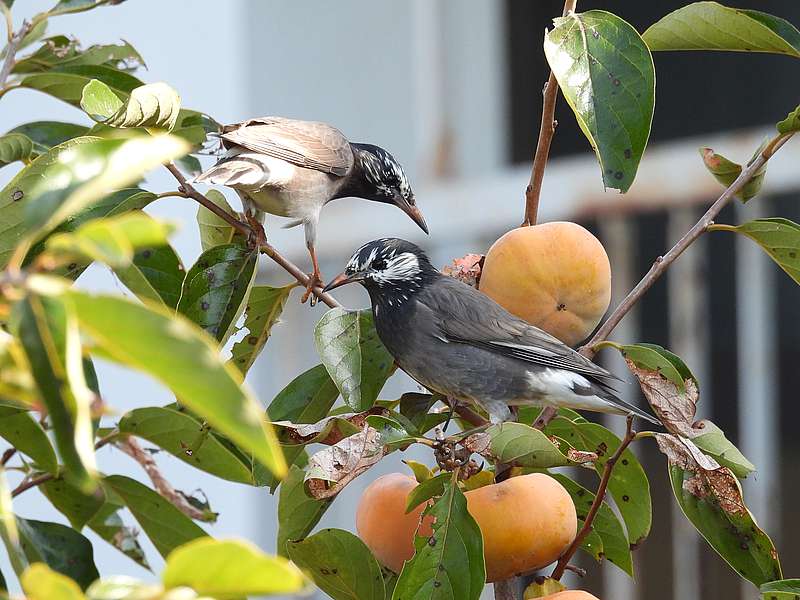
{"type": "Point", "coordinates": [78, 197]}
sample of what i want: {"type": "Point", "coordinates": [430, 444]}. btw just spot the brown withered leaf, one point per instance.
{"type": "Point", "coordinates": [328, 431]}
{"type": "Point", "coordinates": [710, 480]}
{"type": "Point", "coordinates": [467, 269]}
{"type": "Point", "coordinates": [333, 468]}
{"type": "Point", "coordinates": [674, 407]}
{"type": "Point", "coordinates": [581, 456]}
{"type": "Point", "coordinates": [478, 442]}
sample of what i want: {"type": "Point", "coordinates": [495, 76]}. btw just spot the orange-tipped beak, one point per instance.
{"type": "Point", "coordinates": [412, 211]}
{"type": "Point", "coordinates": [340, 280]}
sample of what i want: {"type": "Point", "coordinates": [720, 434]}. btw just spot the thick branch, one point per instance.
{"type": "Point", "coordinates": [663, 262]}
{"type": "Point", "coordinates": [470, 416]}
{"type": "Point", "coordinates": [506, 589]}
{"type": "Point", "coordinates": [547, 129]}
{"type": "Point", "coordinates": [563, 562]}
{"type": "Point", "coordinates": [189, 191]}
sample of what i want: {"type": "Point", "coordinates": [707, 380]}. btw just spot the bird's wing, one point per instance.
{"type": "Point", "coordinates": [307, 144]}
{"type": "Point", "coordinates": [470, 317]}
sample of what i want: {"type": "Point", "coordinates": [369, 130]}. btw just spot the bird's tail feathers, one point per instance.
{"type": "Point", "coordinates": [231, 173]}
{"type": "Point", "coordinates": [628, 408]}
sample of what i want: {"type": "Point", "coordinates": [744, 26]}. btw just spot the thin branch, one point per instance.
{"type": "Point", "coordinates": [45, 477]}
{"type": "Point", "coordinates": [188, 191]}
{"type": "Point", "coordinates": [11, 51]}
{"type": "Point", "coordinates": [663, 262]}
{"type": "Point", "coordinates": [561, 566]}
{"type": "Point", "coordinates": [470, 416]}
{"type": "Point", "coordinates": [547, 129]}
{"type": "Point", "coordinates": [132, 448]}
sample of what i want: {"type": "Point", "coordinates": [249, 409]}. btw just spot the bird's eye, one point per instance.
{"type": "Point", "coordinates": [379, 264]}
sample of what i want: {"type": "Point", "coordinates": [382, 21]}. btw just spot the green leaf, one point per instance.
{"type": "Point", "coordinates": [9, 531]}
{"type": "Point", "coordinates": [614, 545]}
{"type": "Point", "coordinates": [522, 446]}
{"type": "Point", "coordinates": [64, 7]}
{"type": "Point", "coordinates": [606, 74]}
{"type": "Point", "coordinates": [25, 434]}
{"type": "Point", "coordinates": [298, 512]}
{"type": "Point", "coordinates": [14, 147]}
{"type": "Point", "coordinates": [448, 565]}
{"type": "Point", "coordinates": [306, 399]}
{"type": "Point", "coordinates": [628, 484]}
{"type": "Point", "coordinates": [174, 351]}
{"type": "Point", "coordinates": [214, 231]}
{"type": "Point", "coordinates": [264, 307]}
{"type": "Point", "coordinates": [99, 101]}
{"type": "Point", "coordinates": [430, 488]}
{"type": "Point", "coordinates": [108, 524]}
{"type": "Point", "coordinates": [790, 123]}
{"type": "Point", "coordinates": [230, 569]}
{"type": "Point", "coordinates": [712, 26]}
{"type": "Point", "coordinates": [48, 330]}
{"type": "Point", "coordinates": [46, 134]}
{"type": "Point", "coordinates": [62, 548]}
{"type": "Point", "coordinates": [195, 126]}
{"type": "Point", "coordinates": [726, 172]}
{"type": "Point", "coordinates": [340, 564]}
{"type": "Point", "coordinates": [711, 498]}
{"type": "Point", "coordinates": [154, 105]}
{"type": "Point", "coordinates": [78, 506]}
{"type": "Point", "coordinates": [188, 439]}
{"type": "Point", "coordinates": [155, 274]}
{"type": "Point", "coordinates": [67, 83]}
{"type": "Point", "coordinates": [111, 240]}
{"type": "Point", "coordinates": [216, 287]}
{"type": "Point", "coordinates": [711, 440]}
{"type": "Point", "coordinates": [421, 471]}
{"type": "Point", "coordinates": [653, 357]}
{"type": "Point", "coordinates": [779, 238]}
{"type": "Point", "coordinates": [39, 582]}
{"type": "Point", "coordinates": [62, 51]}
{"type": "Point", "coordinates": [166, 526]}
{"type": "Point", "coordinates": [356, 359]}
{"type": "Point", "coordinates": [785, 589]}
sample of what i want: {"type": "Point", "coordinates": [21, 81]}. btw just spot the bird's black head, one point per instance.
{"type": "Point", "coordinates": [378, 176]}
{"type": "Point", "coordinates": [390, 268]}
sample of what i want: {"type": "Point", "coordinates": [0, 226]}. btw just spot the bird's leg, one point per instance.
{"type": "Point", "coordinates": [315, 278]}
{"type": "Point", "coordinates": [258, 237]}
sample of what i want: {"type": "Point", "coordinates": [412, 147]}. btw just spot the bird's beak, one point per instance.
{"type": "Point", "coordinates": [342, 279]}
{"type": "Point", "coordinates": [412, 211]}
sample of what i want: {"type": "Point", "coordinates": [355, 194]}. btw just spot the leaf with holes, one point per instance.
{"type": "Point", "coordinates": [48, 330]}
{"type": "Point", "coordinates": [779, 238]}
{"type": "Point", "coordinates": [230, 569]}
{"type": "Point", "coordinates": [25, 434]}
{"type": "Point", "coordinates": [609, 532]}
{"type": "Point", "coordinates": [449, 564]}
{"type": "Point", "coordinates": [156, 274]}
{"type": "Point", "coordinates": [298, 512]}
{"type": "Point", "coordinates": [216, 287]}
{"type": "Point", "coordinates": [331, 469]}
{"type": "Point", "coordinates": [186, 438]}
{"type": "Point", "coordinates": [154, 105]}
{"type": "Point", "coordinates": [340, 564]}
{"type": "Point", "coordinates": [166, 526]}
{"type": "Point", "coordinates": [726, 172]}
{"type": "Point", "coordinates": [711, 498]}
{"type": "Point", "coordinates": [174, 351]}
{"type": "Point", "coordinates": [712, 26]}
{"type": "Point", "coordinates": [214, 231]}
{"type": "Point", "coordinates": [628, 484]}
{"type": "Point", "coordinates": [356, 359]}
{"type": "Point", "coordinates": [60, 547]}
{"type": "Point", "coordinates": [264, 307]}
{"type": "Point", "coordinates": [14, 147]}
{"type": "Point", "coordinates": [606, 74]}
{"type": "Point", "coordinates": [110, 240]}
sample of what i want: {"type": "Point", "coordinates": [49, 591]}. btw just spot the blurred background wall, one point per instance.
{"type": "Point", "coordinates": [453, 89]}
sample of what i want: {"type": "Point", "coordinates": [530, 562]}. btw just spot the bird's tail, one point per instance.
{"type": "Point", "coordinates": [627, 408]}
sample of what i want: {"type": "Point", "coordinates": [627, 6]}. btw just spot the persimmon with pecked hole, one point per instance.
{"type": "Point", "coordinates": [527, 522]}
{"type": "Point", "coordinates": [556, 276]}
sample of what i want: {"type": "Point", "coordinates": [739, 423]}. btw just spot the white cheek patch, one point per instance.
{"type": "Point", "coordinates": [401, 268]}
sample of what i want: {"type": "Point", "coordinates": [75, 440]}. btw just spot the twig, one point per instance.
{"type": "Point", "coordinates": [507, 589]}
{"type": "Point", "coordinates": [45, 477]}
{"type": "Point", "coordinates": [132, 448]}
{"type": "Point", "coordinates": [561, 566]}
{"type": "Point", "coordinates": [11, 51]}
{"type": "Point", "coordinates": [579, 571]}
{"type": "Point", "coordinates": [188, 191]}
{"type": "Point", "coordinates": [7, 455]}
{"type": "Point", "coordinates": [663, 262]}
{"type": "Point", "coordinates": [470, 416]}
{"type": "Point", "coordinates": [547, 129]}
